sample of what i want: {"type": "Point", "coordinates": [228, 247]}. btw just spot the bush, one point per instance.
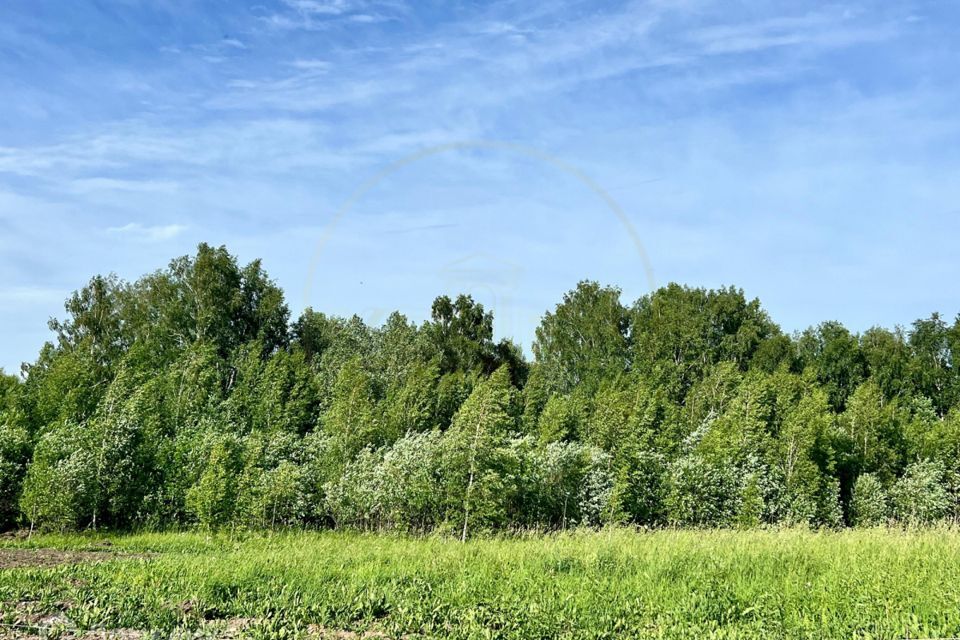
{"type": "Point", "coordinates": [868, 505]}
{"type": "Point", "coordinates": [14, 456]}
{"type": "Point", "coordinates": [701, 494]}
{"type": "Point", "coordinates": [828, 513]}
{"type": "Point", "coordinates": [919, 497]}
{"type": "Point", "coordinates": [410, 469]}
{"type": "Point", "coordinates": [355, 499]}
{"type": "Point", "coordinates": [59, 489]}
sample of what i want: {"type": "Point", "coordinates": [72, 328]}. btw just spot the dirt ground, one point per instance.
{"type": "Point", "coordinates": [30, 623]}
{"type": "Point", "coordinates": [39, 558]}
{"type": "Point", "coordinates": [235, 629]}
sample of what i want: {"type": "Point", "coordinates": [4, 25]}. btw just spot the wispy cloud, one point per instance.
{"type": "Point", "coordinates": [829, 29]}
{"type": "Point", "coordinates": [517, 58]}
{"type": "Point", "coordinates": [214, 52]}
{"type": "Point", "coordinates": [29, 295]}
{"type": "Point", "coordinates": [100, 185]}
{"type": "Point", "coordinates": [258, 121]}
{"type": "Point", "coordinates": [321, 14]}
{"type": "Point", "coordinates": [140, 233]}
{"type": "Point", "coordinates": [321, 7]}
{"type": "Point", "coordinates": [311, 64]}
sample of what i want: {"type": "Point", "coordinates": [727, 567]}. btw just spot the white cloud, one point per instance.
{"type": "Point", "coordinates": [319, 14]}
{"type": "Point", "coordinates": [323, 7]}
{"type": "Point", "coordinates": [98, 185]}
{"type": "Point", "coordinates": [29, 295]}
{"type": "Point", "coordinates": [141, 233]}
{"type": "Point", "coordinates": [309, 64]}
{"type": "Point", "coordinates": [821, 30]}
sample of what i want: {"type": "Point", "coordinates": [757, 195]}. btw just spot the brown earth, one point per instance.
{"type": "Point", "coordinates": [39, 558]}
{"type": "Point", "coordinates": [32, 623]}
{"type": "Point", "coordinates": [233, 629]}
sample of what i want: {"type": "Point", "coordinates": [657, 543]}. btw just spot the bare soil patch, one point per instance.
{"type": "Point", "coordinates": [40, 558]}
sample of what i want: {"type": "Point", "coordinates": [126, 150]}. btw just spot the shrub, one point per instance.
{"type": "Point", "coordinates": [59, 488]}
{"type": "Point", "coordinates": [919, 497]}
{"type": "Point", "coordinates": [355, 499]}
{"type": "Point", "coordinates": [828, 513]}
{"type": "Point", "coordinates": [868, 505]}
{"type": "Point", "coordinates": [410, 469]}
{"type": "Point", "coordinates": [14, 456]}
{"type": "Point", "coordinates": [595, 499]}
{"type": "Point", "coordinates": [700, 493]}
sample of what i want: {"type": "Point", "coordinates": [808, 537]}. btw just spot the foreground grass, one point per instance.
{"type": "Point", "coordinates": [672, 584]}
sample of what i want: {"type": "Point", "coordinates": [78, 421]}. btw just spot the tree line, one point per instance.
{"type": "Point", "coordinates": [190, 397]}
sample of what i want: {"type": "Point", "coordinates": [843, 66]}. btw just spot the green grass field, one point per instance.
{"type": "Point", "coordinates": [671, 584]}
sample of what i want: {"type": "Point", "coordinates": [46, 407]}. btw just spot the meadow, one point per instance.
{"type": "Point", "coordinates": [879, 583]}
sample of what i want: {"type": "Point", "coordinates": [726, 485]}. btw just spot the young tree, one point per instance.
{"type": "Point", "coordinates": [213, 499]}
{"type": "Point", "coordinates": [701, 494]}
{"type": "Point", "coordinates": [931, 365]}
{"type": "Point", "coordinates": [278, 393]}
{"type": "Point", "coordinates": [562, 419]}
{"type": "Point", "coordinates": [356, 497]}
{"type": "Point", "coordinates": [411, 402]}
{"type": "Point", "coordinates": [874, 432]}
{"type": "Point", "coordinates": [351, 421]}
{"type": "Point", "coordinates": [59, 488]}
{"type": "Point", "coordinates": [410, 474]}
{"type": "Point", "coordinates": [479, 429]}
{"type": "Point", "coordinates": [9, 388]}
{"type": "Point", "coordinates": [887, 355]}
{"type": "Point", "coordinates": [802, 454]}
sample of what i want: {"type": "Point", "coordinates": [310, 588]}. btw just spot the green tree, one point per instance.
{"type": "Point", "coordinates": [584, 339]}
{"type": "Point", "coordinates": [410, 472]}
{"type": "Point", "coordinates": [59, 488]}
{"type": "Point", "coordinates": [213, 499]}
{"type": "Point", "coordinates": [835, 356]}
{"type": "Point", "coordinates": [802, 454]}
{"type": "Point", "coordinates": [461, 331]}
{"type": "Point", "coordinates": [562, 419]}
{"type": "Point", "coordinates": [410, 405]}
{"type": "Point", "coordinates": [931, 365]}
{"type": "Point", "coordinates": [352, 421]}
{"type": "Point", "coordinates": [887, 356]}
{"type": "Point", "coordinates": [678, 333]}
{"type": "Point", "coordinates": [9, 388]}
{"type": "Point", "coordinates": [278, 393]}
{"type": "Point", "coordinates": [874, 432]}
{"type": "Point", "coordinates": [701, 493]}
{"type": "Point", "coordinates": [313, 333]}
{"type": "Point", "coordinates": [478, 431]}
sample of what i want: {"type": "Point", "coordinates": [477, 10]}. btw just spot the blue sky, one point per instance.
{"type": "Point", "coordinates": [807, 152]}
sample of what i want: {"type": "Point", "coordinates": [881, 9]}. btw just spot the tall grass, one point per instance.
{"type": "Point", "coordinates": [665, 584]}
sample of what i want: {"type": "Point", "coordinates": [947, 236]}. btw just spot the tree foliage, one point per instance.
{"type": "Point", "coordinates": [190, 397]}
